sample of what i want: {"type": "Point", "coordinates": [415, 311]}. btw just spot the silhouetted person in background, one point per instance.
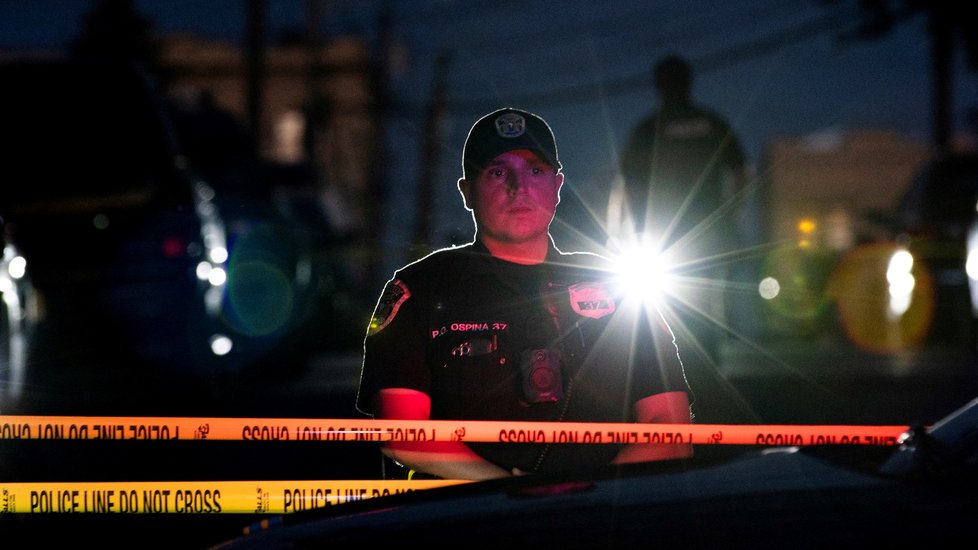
{"type": "Point", "coordinates": [682, 168]}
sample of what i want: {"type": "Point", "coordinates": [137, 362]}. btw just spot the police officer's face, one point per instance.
{"type": "Point", "coordinates": [514, 198]}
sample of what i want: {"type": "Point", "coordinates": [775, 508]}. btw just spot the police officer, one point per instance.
{"type": "Point", "coordinates": [510, 328]}
{"type": "Point", "coordinates": [684, 174]}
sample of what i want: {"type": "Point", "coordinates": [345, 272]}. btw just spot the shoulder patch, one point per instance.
{"type": "Point", "coordinates": [591, 300]}
{"type": "Point", "coordinates": [395, 294]}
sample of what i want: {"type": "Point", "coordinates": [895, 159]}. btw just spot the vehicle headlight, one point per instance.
{"type": "Point", "coordinates": [901, 282]}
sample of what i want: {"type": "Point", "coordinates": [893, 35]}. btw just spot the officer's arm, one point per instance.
{"type": "Point", "coordinates": [445, 459]}
{"type": "Point", "coordinates": [662, 408]}
{"type": "Point", "coordinates": [667, 407]}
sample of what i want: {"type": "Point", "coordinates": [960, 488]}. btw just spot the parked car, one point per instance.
{"type": "Point", "coordinates": [121, 240]}
{"type": "Point", "coordinates": [151, 234]}
{"type": "Point", "coordinates": [289, 293]}
{"type": "Point", "coordinates": [933, 219]}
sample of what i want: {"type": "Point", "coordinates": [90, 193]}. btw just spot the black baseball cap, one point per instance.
{"type": "Point", "coordinates": [506, 130]}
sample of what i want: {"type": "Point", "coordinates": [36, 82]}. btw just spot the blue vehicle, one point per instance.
{"type": "Point", "coordinates": [150, 250]}
{"type": "Point", "coordinates": [122, 242]}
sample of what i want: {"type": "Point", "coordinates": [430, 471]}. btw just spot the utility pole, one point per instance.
{"type": "Point", "coordinates": [315, 108]}
{"type": "Point", "coordinates": [434, 123]}
{"type": "Point", "coordinates": [254, 65]}
{"type": "Point", "coordinates": [370, 238]}
{"type": "Point", "coordinates": [942, 52]}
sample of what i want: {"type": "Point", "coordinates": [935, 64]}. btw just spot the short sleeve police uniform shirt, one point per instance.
{"type": "Point", "coordinates": [465, 328]}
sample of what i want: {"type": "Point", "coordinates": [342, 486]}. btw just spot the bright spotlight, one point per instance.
{"type": "Point", "coordinates": [901, 282]}
{"type": "Point", "coordinates": [218, 254]}
{"type": "Point", "coordinates": [217, 276]}
{"type": "Point", "coordinates": [204, 270]}
{"type": "Point", "coordinates": [17, 267]}
{"type": "Point", "coordinates": [644, 273]}
{"type": "Point", "coordinates": [769, 288]}
{"type": "Point", "coordinates": [221, 344]}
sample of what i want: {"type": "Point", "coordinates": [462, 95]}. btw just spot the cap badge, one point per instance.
{"type": "Point", "coordinates": [510, 125]}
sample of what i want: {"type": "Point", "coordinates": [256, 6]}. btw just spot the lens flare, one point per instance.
{"type": "Point", "coordinates": [644, 273]}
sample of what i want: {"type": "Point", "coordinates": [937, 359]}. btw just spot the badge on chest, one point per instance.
{"type": "Point", "coordinates": [591, 300]}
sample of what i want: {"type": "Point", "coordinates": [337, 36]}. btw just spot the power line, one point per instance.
{"type": "Point", "coordinates": [639, 82]}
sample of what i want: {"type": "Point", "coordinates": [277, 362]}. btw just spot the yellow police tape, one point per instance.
{"type": "Point", "coordinates": [198, 497]}
{"type": "Point", "coordinates": [371, 430]}
{"type": "Point", "coordinates": [281, 497]}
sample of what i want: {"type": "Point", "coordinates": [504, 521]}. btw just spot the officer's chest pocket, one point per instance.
{"type": "Point", "coordinates": [470, 364]}
{"type": "Point", "coordinates": [469, 350]}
